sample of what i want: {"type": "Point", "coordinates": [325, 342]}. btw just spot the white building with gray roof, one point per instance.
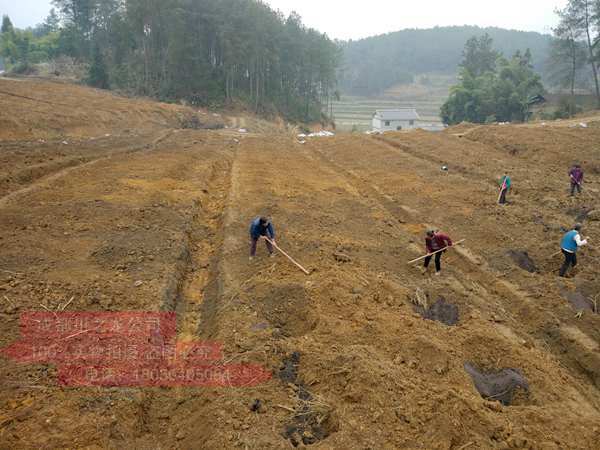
{"type": "Point", "coordinates": [395, 119]}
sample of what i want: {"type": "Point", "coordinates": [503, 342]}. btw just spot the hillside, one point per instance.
{"type": "Point", "coordinates": [38, 109]}
{"type": "Point", "coordinates": [364, 352]}
{"type": "Point", "coordinates": [427, 93]}
{"type": "Point", "coordinates": [378, 63]}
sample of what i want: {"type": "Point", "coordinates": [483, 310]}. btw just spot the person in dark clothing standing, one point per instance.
{"type": "Point", "coordinates": [434, 241]}
{"type": "Point", "coordinates": [576, 176]}
{"type": "Point", "coordinates": [261, 227]}
{"type": "Point", "coordinates": [570, 245]}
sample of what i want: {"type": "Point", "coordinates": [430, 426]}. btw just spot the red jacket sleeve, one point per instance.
{"type": "Point", "coordinates": [446, 239]}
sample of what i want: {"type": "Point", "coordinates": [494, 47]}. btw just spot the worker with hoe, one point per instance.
{"type": "Point", "coordinates": [261, 228]}
{"type": "Point", "coordinates": [436, 242]}
{"type": "Point", "coordinates": [570, 245]}
{"type": "Point", "coordinates": [576, 176]}
{"type": "Point", "coordinates": [506, 184]}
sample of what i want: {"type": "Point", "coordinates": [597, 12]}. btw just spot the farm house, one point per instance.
{"type": "Point", "coordinates": [395, 119]}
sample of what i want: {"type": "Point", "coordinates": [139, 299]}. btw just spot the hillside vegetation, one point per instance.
{"type": "Point", "coordinates": [378, 63]}
{"type": "Point", "coordinates": [209, 52]}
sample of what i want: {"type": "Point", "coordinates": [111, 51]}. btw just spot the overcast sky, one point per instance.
{"type": "Point", "coordinates": [345, 19]}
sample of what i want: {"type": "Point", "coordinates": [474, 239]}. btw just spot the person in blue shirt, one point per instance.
{"type": "Point", "coordinates": [261, 227]}
{"type": "Point", "coordinates": [569, 245]}
{"type": "Point", "coordinates": [506, 184]}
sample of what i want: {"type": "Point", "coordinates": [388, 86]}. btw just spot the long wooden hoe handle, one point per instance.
{"type": "Point", "coordinates": [501, 190]}
{"type": "Point", "coordinates": [286, 255]}
{"type": "Point", "coordinates": [436, 252]}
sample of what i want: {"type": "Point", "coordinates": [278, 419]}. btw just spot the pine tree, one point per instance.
{"type": "Point", "coordinates": [568, 56]}
{"type": "Point", "coordinates": [583, 17]}
{"type": "Point", "coordinates": [479, 56]}
{"type": "Point", "coordinates": [98, 74]}
{"type": "Point", "coordinates": [51, 23]}
{"type": "Point", "coordinates": [7, 26]}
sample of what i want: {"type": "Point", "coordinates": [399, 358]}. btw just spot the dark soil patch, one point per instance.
{"type": "Point", "coordinates": [522, 259]}
{"type": "Point", "coordinates": [313, 420]}
{"type": "Point", "coordinates": [580, 213]}
{"type": "Point", "coordinates": [440, 311]}
{"type": "Point", "coordinates": [498, 386]}
{"type": "Point", "coordinates": [577, 299]}
{"type": "Point", "coordinates": [288, 372]}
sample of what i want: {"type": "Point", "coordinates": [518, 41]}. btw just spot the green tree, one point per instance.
{"type": "Point", "coordinates": [479, 56]}
{"type": "Point", "coordinates": [568, 56]}
{"type": "Point", "coordinates": [7, 26]}
{"type": "Point", "coordinates": [52, 23]}
{"type": "Point", "coordinates": [503, 94]}
{"type": "Point", "coordinates": [98, 74]}
{"type": "Point", "coordinates": [582, 17]}
{"type": "Point", "coordinates": [78, 14]}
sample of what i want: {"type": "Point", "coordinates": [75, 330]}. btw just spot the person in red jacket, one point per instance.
{"type": "Point", "coordinates": [576, 175]}
{"type": "Point", "coordinates": [434, 241]}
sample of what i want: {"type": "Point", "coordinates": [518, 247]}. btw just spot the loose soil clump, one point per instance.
{"type": "Point", "coordinates": [287, 308]}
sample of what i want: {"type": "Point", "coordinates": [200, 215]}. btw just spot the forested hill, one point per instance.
{"type": "Point", "coordinates": [374, 64]}
{"type": "Point", "coordinates": [208, 52]}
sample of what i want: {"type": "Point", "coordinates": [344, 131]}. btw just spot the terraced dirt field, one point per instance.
{"type": "Point", "coordinates": [156, 219]}
{"type": "Point", "coordinates": [426, 94]}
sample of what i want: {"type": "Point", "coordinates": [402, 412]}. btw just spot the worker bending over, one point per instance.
{"type": "Point", "coordinates": [434, 242]}
{"type": "Point", "coordinates": [261, 227]}
{"type": "Point", "coordinates": [570, 245]}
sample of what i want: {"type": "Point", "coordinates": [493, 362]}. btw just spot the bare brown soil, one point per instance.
{"type": "Point", "coordinates": [355, 363]}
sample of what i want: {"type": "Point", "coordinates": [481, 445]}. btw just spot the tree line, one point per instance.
{"type": "Point", "coordinates": [575, 52]}
{"type": "Point", "coordinates": [492, 88]}
{"type": "Point", "coordinates": [22, 48]}
{"type": "Point", "coordinates": [208, 52]}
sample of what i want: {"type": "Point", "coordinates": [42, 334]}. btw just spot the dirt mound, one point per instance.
{"type": "Point", "coordinates": [51, 110]}
{"type": "Point", "coordinates": [461, 128]}
{"type": "Point", "coordinates": [500, 385]}
{"type": "Point", "coordinates": [287, 308]}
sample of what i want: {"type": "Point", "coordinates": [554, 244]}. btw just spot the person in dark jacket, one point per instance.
{"type": "Point", "coordinates": [434, 241]}
{"type": "Point", "coordinates": [576, 176]}
{"type": "Point", "coordinates": [570, 245]}
{"type": "Point", "coordinates": [261, 227]}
